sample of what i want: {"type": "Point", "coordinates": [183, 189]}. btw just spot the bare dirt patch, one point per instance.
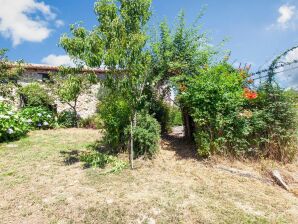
{"type": "Point", "coordinates": [37, 185]}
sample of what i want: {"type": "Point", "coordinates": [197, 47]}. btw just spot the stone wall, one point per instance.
{"type": "Point", "coordinates": [87, 102]}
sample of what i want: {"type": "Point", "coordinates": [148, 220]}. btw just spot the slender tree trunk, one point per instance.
{"type": "Point", "coordinates": [75, 114]}
{"type": "Point", "coordinates": [133, 124]}
{"type": "Point", "coordinates": [188, 124]}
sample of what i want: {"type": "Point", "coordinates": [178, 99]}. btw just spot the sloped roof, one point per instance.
{"type": "Point", "coordinates": [48, 68]}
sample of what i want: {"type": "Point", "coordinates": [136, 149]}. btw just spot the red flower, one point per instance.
{"type": "Point", "coordinates": [249, 94]}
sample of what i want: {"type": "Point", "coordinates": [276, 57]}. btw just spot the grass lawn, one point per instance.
{"type": "Point", "coordinates": [37, 185]}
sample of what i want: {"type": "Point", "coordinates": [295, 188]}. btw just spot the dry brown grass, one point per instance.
{"type": "Point", "coordinates": [38, 187]}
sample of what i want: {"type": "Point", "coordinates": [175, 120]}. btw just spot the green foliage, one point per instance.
{"type": "Point", "coordinates": [93, 122]}
{"type": "Point", "coordinates": [180, 52]}
{"type": "Point", "coordinates": [8, 75]}
{"type": "Point", "coordinates": [214, 98]}
{"type": "Point", "coordinates": [114, 112]}
{"type": "Point", "coordinates": [273, 124]}
{"type": "Point", "coordinates": [146, 136]}
{"type": "Point", "coordinates": [175, 116]}
{"type": "Point", "coordinates": [161, 112]}
{"type": "Point", "coordinates": [228, 122]}
{"type": "Point", "coordinates": [35, 95]}
{"type": "Point", "coordinates": [12, 125]}
{"type": "Point", "coordinates": [70, 84]}
{"type": "Point", "coordinates": [66, 119]}
{"type": "Point", "coordinates": [119, 42]}
{"type": "Point", "coordinates": [38, 117]}
{"type": "Point", "coordinates": [292, 95]}
{"type": "Point", "coordinates": [101, 160]}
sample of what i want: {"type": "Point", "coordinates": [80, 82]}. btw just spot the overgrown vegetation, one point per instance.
{"type": "Point", "coordinates": [218, 105]}
{"type": "Point", "coordinates": [92, 122]}
{"type": "Point", "coordinates": [69, 84]}
{"type": "Point", "coordinates": [147, 136]}
{"type": "Point", "coordinates": [8, 76]}
{"type": "Point", "coordinates": [114, 110]}
{"type": "Point", "coordinates": [67, 119]}
{"type": "Point", "coordinates": [101, 160]}
{"type": "Point", "coordinates": [12, 126]}
{"type": "Point", "coordinates": [38, 117]}
{"type": "Point", "coordinates": [231, 118]}
{"type": "Point", "coordinates": [36, 95]}
{"type": "Point", "coordinates": [119, 42]}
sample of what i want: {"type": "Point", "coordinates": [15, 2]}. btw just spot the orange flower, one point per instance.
{"type": "Point", "coordinates": [249, 94]}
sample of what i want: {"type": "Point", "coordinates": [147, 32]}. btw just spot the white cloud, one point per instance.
{"type": "Point", "coordinates": [286, 14]}
{"type": "Point", "coordinates": [287, 19]}
{"type": "Point", "coordinates": [58, 60]}
{"type": "Point", "coordinates": [26, 20]}
{"type": "Point", "coordinates": [59, 23]}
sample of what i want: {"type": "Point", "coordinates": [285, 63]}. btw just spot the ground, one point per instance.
{"type": "Point", "coordinates": [39, 185]}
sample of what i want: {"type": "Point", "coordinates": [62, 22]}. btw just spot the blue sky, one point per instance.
{"type": "Point", "coordinates": [257, 30]}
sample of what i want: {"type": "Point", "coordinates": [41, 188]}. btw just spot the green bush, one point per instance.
{"type": "Point", "coordinates": [161, 111]}
{"type": "Point", "coordinates": [146, 136]}
{"type": "Point", "coordinates": [215, 97]}
{"type": "Point", "coordinates": [67, 119]}
{"type": "Point", "coordinates": [175, 117]}
{"type": "Point", "coordinates": [114, 113]}
{"type": "Point", "coordinates": [38, 117]}
{"type": "Point", "coordinates": [92, 122]}
{"type": "Point", "coordinates": [35, 95]}
{"type": "Point", "coordinates": [229, 118]}
{"type": "Point", "coordinates": [273, 124]}
{"type": "Point", "coordinates": [12, 125]}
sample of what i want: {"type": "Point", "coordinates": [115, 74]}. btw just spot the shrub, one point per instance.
{"type": "Point", "coordinates": [67, 119]}
{"type": "Point", "coordinates": [146, 136]}
{"type": "Point", "coordinates": [114, 112]}
{"type": "Point", "coordinates": [38, 117]}
{"type": "Point", "coordinates": [12, 126]}
{"type": "Point", "coordinates": [214, 98]}
{"type": "Point", "coordinates": [35, 95]}
{"type": "Point", "coordinates": [175, 117]}
{"type": "Point", "coordinates": [93, 122]}
{"type": "Point", "coordinates": [231, 118]}
{"type": "Point", "coordinates": [273, 124]}
{"type": "Point", "coordinates": [161, 112]}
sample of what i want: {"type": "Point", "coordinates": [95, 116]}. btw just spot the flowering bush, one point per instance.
{"type": "Point", "coordinates": [12, 125]}
{"type": "Point", "coordinates": [249, 94]}
{"type": "Point", "coordinates": [229, 117]}
{"type": "Point", "coordinates": [38, 117]}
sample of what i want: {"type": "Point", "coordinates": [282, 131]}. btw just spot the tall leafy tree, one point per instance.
{"type": "Point", "coordinates": [179, 54]}
{"type": "Point", "coordinates": [119, 42]}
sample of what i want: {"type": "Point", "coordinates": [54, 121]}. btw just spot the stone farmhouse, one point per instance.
{"type": "Point", "coordinates": [87, 103]}
{"type": "Point", "coordinates": [40, 73]}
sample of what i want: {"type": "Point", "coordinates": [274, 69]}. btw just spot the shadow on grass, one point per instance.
{"type": "Point", "coordinates": [71, 157]}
